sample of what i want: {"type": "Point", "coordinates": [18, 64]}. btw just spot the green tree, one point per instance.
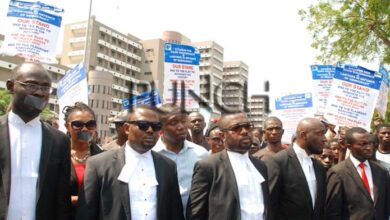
{"type": "Point", "coordinates": [46, 114]}
{"type": "Point", "coordinates": [5, 99]}
{"type": "Point", "coordinates": [348, 29]}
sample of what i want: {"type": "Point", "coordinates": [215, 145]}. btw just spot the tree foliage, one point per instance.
{"type": "Point", "coordinates": [46, 114]}
{"type": "Point", "coordinates": [5, 99]}
{"type": "Point", "coordinates": [348, 29]}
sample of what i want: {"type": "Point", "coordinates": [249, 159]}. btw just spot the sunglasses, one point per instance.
{"type": "Point", "coordinates": [238, 127]}
{"type": "Point", "coordinates": [144, 125]}
{"type": "Point", "coordinates": [91, 124]}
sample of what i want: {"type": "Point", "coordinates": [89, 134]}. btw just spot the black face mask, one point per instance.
{"type": "Point", "coordinates": [35, 102]}
{"type": "Point", "coordinates": [84, 136]}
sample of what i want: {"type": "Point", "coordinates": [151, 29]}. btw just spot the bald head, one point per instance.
{"type": "Point", "coordinates": [311, 135]}
{"type": "Point", "coordinates": [308, 123]}
{"type": "Point", "coordinates": [30, 69]}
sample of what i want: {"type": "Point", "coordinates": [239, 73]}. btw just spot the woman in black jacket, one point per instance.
{"type": "Point", "coordinates": [80, 122]}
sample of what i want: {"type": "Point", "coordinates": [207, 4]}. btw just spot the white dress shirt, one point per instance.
{"type": "Point", "coordinates": [249, 181]}
{"type": "Point", "coordinates": [308, 169]}
{"type": "Point", "coordinates": [139, 172]}
{"type": "Point", "coordinates": [367, 169]}
{"type": "Point", "coordinates": [185, 161]}
{"type": "Point", "coordinates": [26, 145]}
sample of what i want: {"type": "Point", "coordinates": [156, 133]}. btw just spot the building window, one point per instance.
{"type": "Point", "coordinates": [91, 102]}
{"type": "Point", "coordinates": [148, 73]}
{"type": "Point", "coordinates": [104, 89]}
{"type": "Point", "coordinates": [97, 103]}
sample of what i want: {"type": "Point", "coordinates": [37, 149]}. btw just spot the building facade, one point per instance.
{"type": "Point", "coordinates": [235, 81]}
{"type": "Point", "coordinates": [257, 110]}
{"type": "Point", "coordinates": [56, 71]}
{"type": "Point", "coordinates": [109, 54]}
{"type": "Point", "coordinates": [211, 71]}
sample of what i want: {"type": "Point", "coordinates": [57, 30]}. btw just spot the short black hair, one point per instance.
{"type": "Point", "coordinates": [349, 139]}
{"type": "Point", "coordinates": [210, 129]}
{"type": "Point", "coordinates": [167, 110]}
{"type": "Point", "coordinates": [225, 115]}
{"type": "Point", "coordinates": [380, 126]}
{"type": "Point", "coordinates": [143, 106]}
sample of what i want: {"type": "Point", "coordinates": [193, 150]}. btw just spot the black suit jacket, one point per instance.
{"type": "Point", "coordinates": [347, 198]}
{"type": "Point", "coordinates": [214, 191]}
{"type": "Point", "coordinates": [74, 186]}
{"type": "Point", "coordinates": [53, 197]}
{"type": "Point", "coordinates": [103, 196]}
{"type": "Point", "coordinates": [289, 191]}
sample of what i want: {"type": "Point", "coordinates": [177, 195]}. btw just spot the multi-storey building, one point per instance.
{"type": "Point", "coordinates": [256, 107]}
{"type": "Point", "coordinates": [56, 71]}
{"type": "Point", "coordinates": [235, 79]}
{"type": "Point", "coordinates": [211, 70]}
{"type": "Point", "coordinates": [153, 56]}
{"type": "Point", "coordinates": [115, 59]}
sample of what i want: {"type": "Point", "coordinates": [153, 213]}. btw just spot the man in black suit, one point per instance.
{"type": "Point", "coordinates": [230, 184]}
{"type": "Point", "coordinates": [297, 181]}
{"type": "Point", "coordinates": [358, 189]}
{"type": "Point", "coordinates": [132, 182]}
{"type": "Point", "coordinates": [34, 157]}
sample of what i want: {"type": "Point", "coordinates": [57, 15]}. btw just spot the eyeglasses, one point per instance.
{"type": "Point", "coordinates": [238, 127]}
{"type": "Point", "coordinates": [77, 125]}
{"type": "Point", "coordinates": [144, 125]}
{"type": "Point", "coordinates": [34, 87]}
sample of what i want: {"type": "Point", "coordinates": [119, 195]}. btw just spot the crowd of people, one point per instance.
{"type": "Point", "coordinates": [162, 165]}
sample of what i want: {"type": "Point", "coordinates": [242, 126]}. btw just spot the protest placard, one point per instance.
{"type": "Point", "coordinates": [72, 88]}
{"type": "Point", "coordinates": [322, 81]}
{"type": "Point", "coordinates": [32, 31]}
{"type": "Point", "coordinates": [353, 96]}
{"type": "Point", "coordinates": [181, 64]}
{"type": "Point", "coordinates": [290, 109]}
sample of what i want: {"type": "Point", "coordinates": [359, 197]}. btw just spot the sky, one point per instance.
{"type": "Point", "coordinates": [268, 36]}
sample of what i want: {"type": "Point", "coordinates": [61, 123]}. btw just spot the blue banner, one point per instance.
{"type": "Point", "coordinates": [71, 78]}
{"type": "Point", "coordinates": [183, 54]}
{"type": "Point", "coordinates": [320, 72]}
{"type": "Point", "coordinates": [35, 10]}
{"type": "Point", "coordinates": [359, 75]}
{"type": "Point", "coordinates": [303, 100]}
{"type": "Point", "coordinates": [385, 75]}
{"type": "Point", "coordinates": [146, 98]}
